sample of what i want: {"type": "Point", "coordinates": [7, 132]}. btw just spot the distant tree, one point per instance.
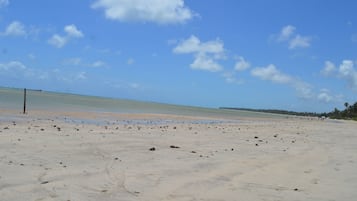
{"type": "Point", "coordinates": [354, 108]}
{"type": "Point", "coordinates": [346, 105]}
{"type": "Point", "coordinates": [350, 112]}
{"type": "Point", "coordinates": [336, 111]}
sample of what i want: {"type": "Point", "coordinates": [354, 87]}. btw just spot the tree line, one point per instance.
{"type": "Point", "coordinates": [350, 112]}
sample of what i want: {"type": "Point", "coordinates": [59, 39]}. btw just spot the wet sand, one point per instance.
{"type": "Point", "coordinates": [75, 156]}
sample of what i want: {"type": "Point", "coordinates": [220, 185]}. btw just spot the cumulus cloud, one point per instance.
{"type": "Point", "coordinates": [58, 41]}
{"type": "Point", "coordinates": [304, 90]}
{"type": "Point", "coordinates": [324, 96]}
{"type": "Point", "coordinates": [299, 41]}
{"type": "Point", "coordinates": [203, 62]}
{"type": "Point", "coordinates": [157, 11]}
{"type": "Point", "coordinates": [328, 69]}
{"type": "Point", "coordinates": [206, 54]}
{"type": "Point", "coordinates": [15, 28]}
{"type": "Point", "coordinates": [190, 45]}
{"type": "Point", "coordinates": [4, 3]}
{"type": "Point", "coordinates": [241, 64]}
{"type": "Point", "coordinates": [193, 45]}
{"type": "Point", "coordinates": [346, 71]}
{"type": "Point", "coordinates": [286, 33]}
{"type": "Point", "coordinates": [294, 40]}
{"type": "Point", "coordinates": [71, 33]}
{"type": "Point", "coordinates": [271, 73]}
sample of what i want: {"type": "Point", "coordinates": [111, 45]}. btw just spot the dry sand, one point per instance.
{"type": "Point", "coordinates": [93, 156]}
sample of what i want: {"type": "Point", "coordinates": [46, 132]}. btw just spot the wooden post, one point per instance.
{"type": "Point", "coordinates": [24, 100]}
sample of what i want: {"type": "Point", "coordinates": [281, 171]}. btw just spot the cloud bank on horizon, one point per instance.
{"type": "Point", "coordinates": [119, 45]}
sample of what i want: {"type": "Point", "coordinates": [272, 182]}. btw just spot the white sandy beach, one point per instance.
{"type": "Point", "coordinates": [75, 157]}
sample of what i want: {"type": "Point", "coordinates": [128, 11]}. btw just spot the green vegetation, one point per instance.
{"type": "Point", "coordinates": [350, 112]}
{"type": "Point", "coordinates": [273, 111]}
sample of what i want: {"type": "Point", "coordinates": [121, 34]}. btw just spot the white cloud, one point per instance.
{"type": "Point", "coordinates": [12, 65]}
{"type": "Point", "coordinates": [304, 90]}
{"type": "Point", "coordinates": [157, 11]}
{"type": "Point", "coordinates": [202, 62]}
{"type": "Point", "coordinates": [346, 71]}
{"type": "Point", "coordinates": [16, 28]}
{"type": "Point", "coordinates": [4, 3]}
{"type": "Point", "coordinates": [324, 96]}
{"type": "Point", "coordinates": [230, 78]}
{"type": "Point", "coordinates": [299, 41]}
{"type": "Point", "coordinates": [286, 32]}
{"type": "Point", "coordinates": [58, 41]}
{"type": "Point", "coordinates": [241, 64]}
{"type": "Point", "coordinates": [71, 32]}
{"type": "Point", "coordinates": [272, 74]}
{"type": "Point", "coordinates": [205, 54]}
{"type": "Point", "coordinates": [98, 64]}
{"type": "Point", "coordinates": [329, 68]}
{"type": "Point", "coordinates": [17, 69]}
{"type": "Point", "coordinates": [190, 45]}
{"type": "Point", "coordinates": [194, 45]}
{"type": "Point", "coordinates": [288, 35]}
{"type": "Point", "coordinates": [349, 73]}
{"type": "Point", "coordinates": [346, 68]}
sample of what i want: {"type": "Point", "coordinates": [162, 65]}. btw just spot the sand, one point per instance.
{"type": "Point", "coordinates": [102, 156]}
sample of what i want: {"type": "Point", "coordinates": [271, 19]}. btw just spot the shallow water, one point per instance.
{"type": "Point", "coordinates": [43, 100]}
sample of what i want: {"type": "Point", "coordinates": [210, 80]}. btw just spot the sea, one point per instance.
{"type": "Point", "coordinates": [13, 98]}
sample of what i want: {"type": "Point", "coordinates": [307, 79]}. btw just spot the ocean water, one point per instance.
{"type": "Point", "coordinates": [42, 100]}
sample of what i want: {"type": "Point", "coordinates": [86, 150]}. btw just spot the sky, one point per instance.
{"type": "Point", "coordinates": [296, 55]}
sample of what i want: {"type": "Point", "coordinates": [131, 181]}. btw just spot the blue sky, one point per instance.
{"type": "Point", "coordinates": [281, 54]}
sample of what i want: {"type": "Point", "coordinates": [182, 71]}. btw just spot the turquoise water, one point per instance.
{"type": "Point", "coordinates": [13, 99]}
